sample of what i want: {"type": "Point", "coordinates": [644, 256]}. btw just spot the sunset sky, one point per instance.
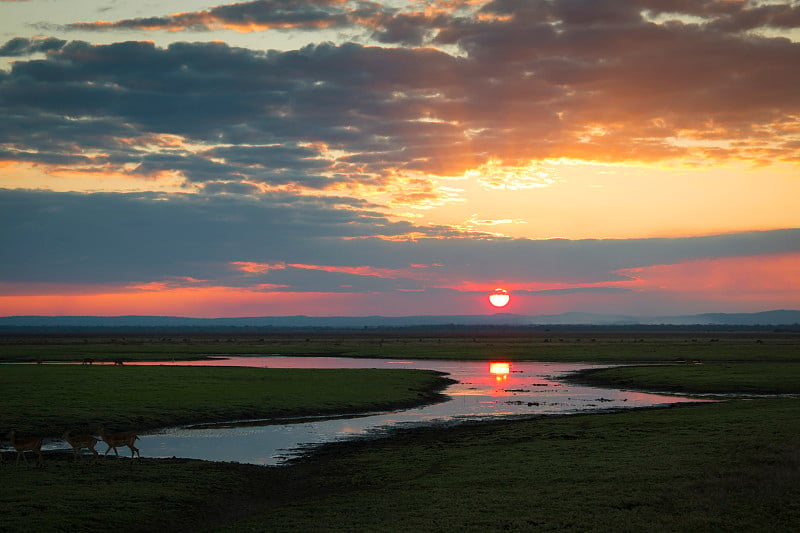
{"type": "Point", "coordinates": [329, 157]}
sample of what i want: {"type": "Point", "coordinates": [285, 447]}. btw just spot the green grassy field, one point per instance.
{"type": "Point", "coordinates": [722, 467]}
{"type": "Point", "coordinates": [718, 378]}
{"type": "Point", "coordinates": [731, 466]}
{"type": "Point", "coordinates": [46, 400]}
{"type": "Point", "coordinates": [512, 344]}
{"type": "Point", "coordinates": [726, 466]}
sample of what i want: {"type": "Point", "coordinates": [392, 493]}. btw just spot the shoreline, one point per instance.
{"type": "Point", "coordinates": [322, 451]}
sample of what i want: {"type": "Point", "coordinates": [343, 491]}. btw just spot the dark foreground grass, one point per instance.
{"type": "Point", "coordinates": [732, 466]}
{"type": "Point", "coordinates": [720, 378]}
{"type": "Point", "coordinates": [721, 467]}
{"type": "Point", "coordinates": [113, 494]}
{"type": "Point", "coordinates": [46, 400]}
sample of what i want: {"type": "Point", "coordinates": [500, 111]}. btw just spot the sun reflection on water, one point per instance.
{"type": "Point", "coordinates": [500, 370]}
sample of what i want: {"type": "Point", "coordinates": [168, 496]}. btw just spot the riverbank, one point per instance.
{"type": "Point", "coordinates": [740, 378]}
{"type": "Point", "coordinates": [46, 400]}
{"type": "Point", "coordinates": [726, 466]}
{"type": "Point", "coordinates": [733, 465]}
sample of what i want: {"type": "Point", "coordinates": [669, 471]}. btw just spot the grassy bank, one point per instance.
{"type": "Point", "coordinates": [512, 344]}
{"type": "Point", "coordinates": [725, 466]}
{"type": "Point", "coordinates": [114, 495]}
{"type": "Point", "coordinates": [731, 466]}
{"type": "Point", "coordinates": [46, 400]}
{"type": "Point", "coordinates": [722, 467]}
{"type": "Point", "coordinates": [739, 378]}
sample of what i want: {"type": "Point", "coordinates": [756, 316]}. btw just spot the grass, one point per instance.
{"type": "Point", "coordinates": [722, 467]}
{"type": "Point", "coordinates": [46, 400]}
{"type": "Point", "coordinates": [114, 495]}
{"type": "Point", "coordinates": [482, 344]}
{"type": "Point", "coordinates": [732, 465]}
{"type": "Point", "coordinates": [721, 378]}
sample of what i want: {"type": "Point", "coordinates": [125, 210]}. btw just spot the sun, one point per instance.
{"type": "Point", "coordinates": [499, 298]}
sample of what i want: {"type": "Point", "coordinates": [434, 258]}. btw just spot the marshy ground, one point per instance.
{"type": "Point", "coordinates": [732, 465]}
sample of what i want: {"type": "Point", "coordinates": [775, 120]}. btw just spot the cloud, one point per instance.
{"type": "Point", "coordinates": [21, 46]}
{"type": "Point", "coordinates": [258, 15]}
{"type": "Point", "coordinates": [307, 244]}
{"type": "Point", "coordinates": [312, 158]}
{"type": "Point", "coordinates": [238, 115]}
{"type": "Point", "coordinates": [360, 119]}
{"type": "Point", "coordinates": [732, 16]}
{"type": "Point", "coordinates": [139, 237]}
{"type": "Point", "coordinates": [599, 81]}
{"type": "Point", "coordinates": [762, 273]}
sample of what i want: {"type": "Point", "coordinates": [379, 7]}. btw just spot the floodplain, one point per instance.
{"type": "Point", "coordinates": [733, 464]}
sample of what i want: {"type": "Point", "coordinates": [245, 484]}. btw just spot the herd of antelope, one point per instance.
{"type": "Point", "coordinates": [77, 442]}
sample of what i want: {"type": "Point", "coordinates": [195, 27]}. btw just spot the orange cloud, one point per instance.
{"type": "Point", "coordinates": [414, 271]}
{"type": "Point", "coordinates": [257, 268]}
{"type": "Point", "coordinates": [391, 273]}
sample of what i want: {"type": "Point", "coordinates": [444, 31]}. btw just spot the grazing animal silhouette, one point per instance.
{"type": "Point", "coordinates": [32, 444]}
{"type": "Point", "coordinates": [79, 442]}
{"type": "Point", "coordinates": [115, 440]}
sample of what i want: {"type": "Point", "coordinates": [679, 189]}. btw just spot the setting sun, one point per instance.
{"type": "Point", "coordinates": [499, 298]}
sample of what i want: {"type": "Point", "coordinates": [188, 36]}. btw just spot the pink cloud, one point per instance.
{"type": "Point", "coordinates": [732, 275]}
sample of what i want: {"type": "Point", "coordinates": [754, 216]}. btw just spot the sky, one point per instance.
{"type": "Point", "coordinates": [407, 157]}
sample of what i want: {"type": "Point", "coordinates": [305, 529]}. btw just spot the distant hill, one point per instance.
{"type": "Point", "coordinates": [766, 318]}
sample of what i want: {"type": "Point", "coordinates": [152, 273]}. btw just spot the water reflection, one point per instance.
{"type": "Point", "coordinates": [500, 370]}
{"type": "Point", "coordinates": [482, 391]}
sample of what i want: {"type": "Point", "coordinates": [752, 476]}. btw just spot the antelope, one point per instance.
{"type": "Point", "coordinates": [114, 440]}
{"type": "Point", "coordinates": [79, 442]}
{"type": "Point", "coordinates": [33, 444]}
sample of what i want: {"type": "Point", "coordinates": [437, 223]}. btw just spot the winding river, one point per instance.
{"type": "Point", "coordinates": [482, 391]}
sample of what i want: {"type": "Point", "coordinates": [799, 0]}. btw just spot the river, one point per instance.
{"type": "Point", "coordinates": [482, 391]}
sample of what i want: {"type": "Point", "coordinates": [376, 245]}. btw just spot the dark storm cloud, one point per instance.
{"type": "Point", "coordinates": [304, 244]}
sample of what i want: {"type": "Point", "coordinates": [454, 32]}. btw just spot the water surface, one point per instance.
{"type": "Point", "coordinates": [481, 392]}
